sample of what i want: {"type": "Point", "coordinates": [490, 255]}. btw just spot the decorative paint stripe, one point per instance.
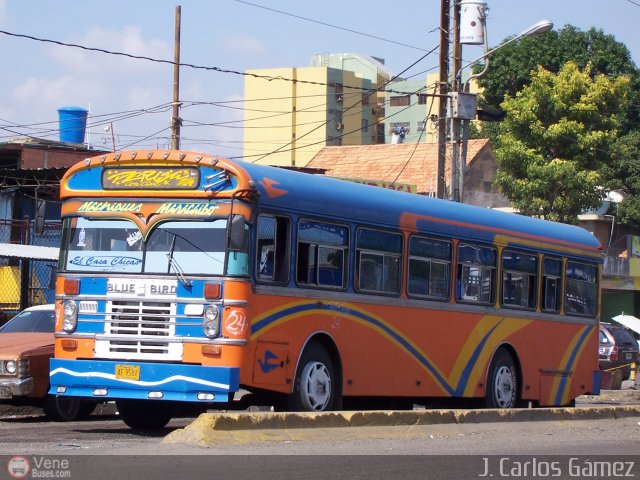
{"type": "Point", "coordinates": [539, 245]}
{"type": "Point", "coordinates": [560, 385]}
{"type": "Point", "coordinates": [454, 385]}
{"type": "Point", "coordinates": [284, 315]}
{"type": "Point", "coordinates": [110, 376]}
{"type": "Point", "coordinates": [473, 360]}
{"type": "Point", "coordinates": [411, 220]}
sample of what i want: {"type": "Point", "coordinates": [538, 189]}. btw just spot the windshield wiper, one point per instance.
{"type": "Point", "coordinates": [176, 267]}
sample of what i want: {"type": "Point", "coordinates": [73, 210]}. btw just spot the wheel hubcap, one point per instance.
{"type": "Point", "coordinates": [503, 387]}
{"type": "Point", "coordinates": [315, 386]}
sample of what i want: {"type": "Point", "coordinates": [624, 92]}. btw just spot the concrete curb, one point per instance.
{"type": "Point", "coordinates": [212, 428]}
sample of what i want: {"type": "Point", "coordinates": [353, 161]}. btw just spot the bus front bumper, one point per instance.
{"type": "Point", "coordinates": [104, 379]}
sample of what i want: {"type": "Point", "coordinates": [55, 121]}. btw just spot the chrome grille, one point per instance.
{"type": "Point", "coordinates": [138, 330]}
{"type": "Point", "coordinates": [140, 318]}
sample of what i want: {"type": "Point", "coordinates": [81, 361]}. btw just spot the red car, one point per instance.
{"type": "Point", "coordinates": [26, 345]}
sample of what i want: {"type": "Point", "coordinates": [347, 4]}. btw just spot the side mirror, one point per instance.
{"type": "Point", "coordinates": [235, 230]}
{"type": "Point", "coordinates": [40, 213]}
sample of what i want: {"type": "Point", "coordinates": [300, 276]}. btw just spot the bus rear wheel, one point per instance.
{"type": "Point", "coordinates": [315, 388]}
{"type": "Point", "coordinates": [502, 381]}
{"type": "Point", "coordinates": [145, 414]}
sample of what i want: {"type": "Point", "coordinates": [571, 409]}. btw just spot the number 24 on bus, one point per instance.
{"type": "Point", "coordinates": [188, 278]}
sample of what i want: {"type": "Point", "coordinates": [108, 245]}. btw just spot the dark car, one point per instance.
{"type": "Point", "coordinates": [618, 349]}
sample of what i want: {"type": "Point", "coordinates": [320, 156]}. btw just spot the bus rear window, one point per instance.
{"type": "Point", "coordinates": [581, 295]}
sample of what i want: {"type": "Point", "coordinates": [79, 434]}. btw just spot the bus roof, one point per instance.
{"type": "Point", "coordinates": [306, 194]}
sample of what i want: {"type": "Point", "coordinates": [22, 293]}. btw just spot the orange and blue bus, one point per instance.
{"type": "Point", "coordinates": [184, 277]}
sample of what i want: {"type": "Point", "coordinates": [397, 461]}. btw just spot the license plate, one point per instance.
{"type": "Point", "coordinates": [128, 372]}
{"type": "Point", "coordinates": [627, 356]}
{"type": "Point", "coordinates": [5, 393]}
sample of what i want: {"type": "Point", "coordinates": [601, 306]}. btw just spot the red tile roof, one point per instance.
{"type": "Point", "coordinates": [408, 163]}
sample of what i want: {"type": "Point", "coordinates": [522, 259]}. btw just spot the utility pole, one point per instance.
{"type": "Point", "coordinates": [444, 90]}
{"type": "Point", "coordinates": [457, 170]}
{"type": "Point", "coordinates": [175, 119]}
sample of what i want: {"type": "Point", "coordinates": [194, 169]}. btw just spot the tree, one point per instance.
{"type": "Point", "coordinates": [555, 139]}
{"type": "Point", "coordinates": [510, 67]}
{"type": "Point", "coordinates": [623, 173]}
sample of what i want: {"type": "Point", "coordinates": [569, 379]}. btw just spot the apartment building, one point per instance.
{"type": "Point", "coordinates": [291, 113]}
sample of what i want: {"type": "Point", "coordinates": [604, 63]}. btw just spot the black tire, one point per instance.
{"type": "Point", "coordinates": [503, 387]}
{"type": "Point", "coordinates": [61, 408]}
{"type": "Point", "coordinates": [145, 414]}
{"type": "Point", "coordinates": [315, 388]}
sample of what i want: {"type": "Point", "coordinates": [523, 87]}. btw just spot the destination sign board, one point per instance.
{"type": "Point", "coordinates": [151, 178]}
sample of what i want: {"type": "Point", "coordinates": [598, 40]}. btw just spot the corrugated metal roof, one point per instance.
{"type": "Point", "coordinates": [32, 252]}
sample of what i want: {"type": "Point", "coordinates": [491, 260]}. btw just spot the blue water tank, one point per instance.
{"type": "Point", "coordinates": [73, 124]}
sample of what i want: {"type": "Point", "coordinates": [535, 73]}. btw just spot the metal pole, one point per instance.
{"type": "Point", "coordinates": [113, 136]}
{"type": "Point", "coordinates": [444, 90]}
{"type": "Point", "coordinates": [456, 169]}
{"type": "Point", "coordinates": [175, 119]}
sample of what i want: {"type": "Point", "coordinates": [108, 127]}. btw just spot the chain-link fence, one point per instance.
{"type": "Point", "coordinates": [26, 281]}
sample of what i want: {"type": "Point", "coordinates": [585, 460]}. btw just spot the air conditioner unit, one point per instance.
{"type": "Point", "coordinates": [339, 126]}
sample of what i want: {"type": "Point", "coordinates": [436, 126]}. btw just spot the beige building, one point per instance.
{"type": "Point", "coordinates": [292, 113]}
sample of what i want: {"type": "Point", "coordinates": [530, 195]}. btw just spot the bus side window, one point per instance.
{"type": "Point", "coordinates": [378, 260]}
{"type": "Point", "coordinates": [519, 279]}
{"type": "Point", "coordinates": [476, 274]}
{"type": "Point", "coordinates": [272, 264]}
{"type": "Point", "coordinates": [429, 266]}
{"type": "Point", "coordinates": [551, 284]}
{"type": "Point", "coordinates": [322, 249]}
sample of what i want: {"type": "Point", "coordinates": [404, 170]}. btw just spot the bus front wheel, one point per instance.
{"type": "Point", "coordinates": [315, 388]}
{"type": "Point", "coordinates": [145, 414]}
{"type": "Point", "coordinates": [61, 408]}
{"type": "Point", "coordinates": [502, 381]}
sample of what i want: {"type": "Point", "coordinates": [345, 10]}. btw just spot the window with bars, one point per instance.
{"type": "Point", "coordinates": [400, 101]}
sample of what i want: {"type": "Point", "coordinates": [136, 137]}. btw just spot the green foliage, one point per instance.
{"type": "Point", "coordinates": [510, 67]}
{"type": "Point", "coordinates": [623, 173]}
{"type": "Point", "coordinates": [556, 138]}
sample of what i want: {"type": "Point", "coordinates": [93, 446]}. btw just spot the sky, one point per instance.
{"type": "Point", "coordinates": [129, 99]}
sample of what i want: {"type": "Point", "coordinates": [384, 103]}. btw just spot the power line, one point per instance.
{"type": "Point", "coordinates": [331, 25]}
{"type": "Point", "coordinates": [188, 65]}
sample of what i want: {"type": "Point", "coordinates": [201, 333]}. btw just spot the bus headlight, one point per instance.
{"type": "Point", "coordinates": [211, 325]}
{"type": "Point", "coordinates": [69, 316]}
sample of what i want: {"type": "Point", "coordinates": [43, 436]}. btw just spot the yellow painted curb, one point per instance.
{"type": "Point", "coordinates": [249, 427]}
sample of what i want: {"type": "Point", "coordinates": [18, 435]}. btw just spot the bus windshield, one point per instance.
{"type": "Point", "coordinates": [187, 247]}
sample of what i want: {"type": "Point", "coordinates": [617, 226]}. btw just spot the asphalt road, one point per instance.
{"type": "Point", "coordinates": [103, 447]}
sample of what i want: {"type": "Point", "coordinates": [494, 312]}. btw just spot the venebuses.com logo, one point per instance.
{"type": "Point", "coordinates": [18, 467]}
{"type": "Point", "coordinates": [38, 467]}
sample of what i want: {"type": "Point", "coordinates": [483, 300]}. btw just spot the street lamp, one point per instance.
{"type": "Point", "coordinates": [537, 28]}
{"type": "Point", "coordinates": [463, 104]}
